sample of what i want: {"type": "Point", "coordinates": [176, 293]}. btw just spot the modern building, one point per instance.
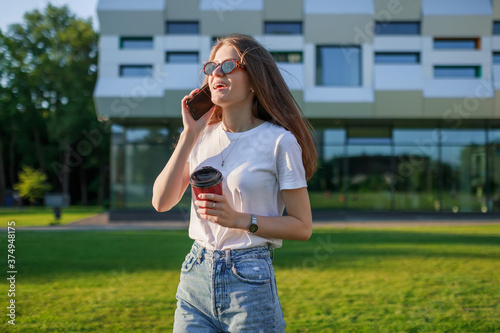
{"type": "Point", "coordinates": [404, 95]}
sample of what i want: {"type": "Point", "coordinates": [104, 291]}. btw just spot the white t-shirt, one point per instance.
{"type": "Point", "coordinates": [258, 164]}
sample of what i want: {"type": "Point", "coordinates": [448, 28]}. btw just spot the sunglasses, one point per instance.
{"type": "Point", "coordinates": [227, 66]}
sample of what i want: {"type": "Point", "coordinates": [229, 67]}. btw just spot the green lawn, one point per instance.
{"type": "Point", "coordinates": [44, 216]}
{"type": "Point", "coordinates": [432, 279]}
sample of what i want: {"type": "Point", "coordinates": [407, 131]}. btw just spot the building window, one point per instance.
{"type": "Point", "coordinates": [182, 28]}
{"type": "Point", "coordinates": [496, 57]}
{"type": "Point", "coordinates": [397, 28]}
{"type": "Point", "coordinates": [136, 70]}
{"type": "Point", "coordinates": [338, 66]}
{"type": "Point", "coordinates": [182, 57]}
{"type": "Point", "coordinates": [496, 28]}
{"type": "Point", "coordinates": [397, 58]}
{"type": "Point", "coordinates": [136, 43]}
{"type": "Point", "coordinates": [287, 57]}
{"type": "Point", "coordinates": [283, 28]}
{"type": "Point", "coordinates": [457, 43]}
{"type": "Point", "coordinates": [457, 72]}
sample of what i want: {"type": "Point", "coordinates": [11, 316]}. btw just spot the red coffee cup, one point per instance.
{"type": "Point", "coordinates": [206, 180]}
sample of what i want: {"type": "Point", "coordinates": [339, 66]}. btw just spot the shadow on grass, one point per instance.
{"type": "Point", "coordinates": [49, 255]}
{"type": "Point", "coordinates": [343, 248]}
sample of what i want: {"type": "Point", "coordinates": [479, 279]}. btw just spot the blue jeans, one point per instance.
{"type": "Point", "coordinates": [228, 291]}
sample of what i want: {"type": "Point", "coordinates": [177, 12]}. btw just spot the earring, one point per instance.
{"type": "Point", "coordinates": [252, 90]}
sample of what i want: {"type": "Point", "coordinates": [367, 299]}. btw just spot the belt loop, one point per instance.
{"type": "Point", "coordinates": [228, 259]}
{"type": "Point", "coordinates": [271, 250]}
{"type": "Point", "coordinates": [199, 255]}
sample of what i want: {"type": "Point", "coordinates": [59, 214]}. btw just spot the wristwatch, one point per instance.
{"type": "Point", "coordinates": [253, 227]}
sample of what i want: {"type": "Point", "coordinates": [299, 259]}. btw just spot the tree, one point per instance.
{"type": "Point", "coordinates": [32, 184]}
{"type": "Point", "coordinates": [48, 70]}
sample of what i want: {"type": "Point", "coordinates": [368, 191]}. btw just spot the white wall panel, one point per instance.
{"type": "Point", "coordinates": [185, 43]}
{"type": "Point", "coordinates": [293, 75]}
{"type": "Point", "coordinates": [231, 5]}
{"type": "Point", "coordinates": [367, 61]}
{"type": "Point", "coordinates": [398, 44]}
{"type": "Point", "coordinates": [496, 76]}
{"type": "Point", "coordinates": [309, 64]}
{"type": "Point", "coordinates": [338, 7]}
{"type": "Point", "coordinates": [131, 5]}
{"type": "Point", "coordinates": [398, 77]}
{"type": "Point", "coordinates": [456, 7]}
{"type": "Point", "coordinates": [282, 43]}
{"type": "Point", "coordinates": [457, 88]}
{"type": "Point", "coordinates": [334, 94]}
{"type": "Point", "coordinates": [495, 43]}
{"type": "Point", "coordinates": [182, 76]}
{"type": "Point", "coordinates": [138, 88]}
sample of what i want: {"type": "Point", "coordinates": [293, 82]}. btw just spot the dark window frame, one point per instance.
{"type": "Point", "coordinates": [127, 38]}
{"type": "Point", "coordinates": [496, 27]}
{"type": "Point", "coordinates": [380, 26]}
{"type": "Point", "coordinates": [476, 68]}
{"type": "Point", "coordinates": [268, 24]}
{"type": "Point", "coordinates": [168, 53]}
{"type": "Point", "coordinates": [168, 27]}
{"type": "Point", "coordinates": [277, 54]}
{"type": "Point", "coordinates": [416, 54]}
{"type": "Point", "coordinates": [496, 57]}
{"type": "Point", "coordinates": [459, 41]}
{"type": "Point", "coordinates": [145, 66]}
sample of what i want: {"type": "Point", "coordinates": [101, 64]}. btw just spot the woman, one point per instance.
{"type": "Point", "coordinates": [258, 138]}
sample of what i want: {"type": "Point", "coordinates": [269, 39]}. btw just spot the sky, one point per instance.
{"type": "Point", "coordinates": [12, 11]}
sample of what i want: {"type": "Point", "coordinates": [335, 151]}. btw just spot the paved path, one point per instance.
{"type": "Point", "coordinates": [101, 223]}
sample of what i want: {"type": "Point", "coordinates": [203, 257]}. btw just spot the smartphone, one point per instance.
{"type": "Point", "coordinates": [200, 103]}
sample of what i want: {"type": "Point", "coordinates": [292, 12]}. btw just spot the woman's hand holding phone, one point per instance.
{"type": "Point", "coordinates": [190, 124]}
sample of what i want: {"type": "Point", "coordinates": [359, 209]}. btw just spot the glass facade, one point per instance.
{"type": "Point", "coordinates": [136, 43]}
{"type": "Point", "coordinates": [496, 28]}
{"type": "Point", "coordinates": [371, 168]}
{"type": "Point", "coordinates": [397, 58]}
{"type": "Point", "coordinates": [338, 66]}
{"type": "Point", "coordinates": [456, 44]}
{"type": "Point", "coordinates": [136, 70]}
{"type": "Point", "coordinates": [138, 154]}
{"type": "Point", "coordinates": [182, 57]}
{"type": "Point", "coordinates": [428, 170]}
{"type": "Point", "coordinates": [457, 72]}
{"type": "Point", "coordinates": [493, 170]}
{"type": "Point", "coordinates": [496, 57]}
{"type": "Point", "coordinates": [182, 28]}
{"type": "Point", "coordinates": [397, 28]}
{"type": "Point", "coordinates": [283, 28]}
{"type": "Point", "coordinates": [287, 57]}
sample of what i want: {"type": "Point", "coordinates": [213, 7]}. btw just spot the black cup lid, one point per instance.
{"type": "Point", "coordinates": [206, 177]}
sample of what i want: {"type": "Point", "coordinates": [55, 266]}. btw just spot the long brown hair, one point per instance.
{"type": "Point", "coordinates": [273, 100]}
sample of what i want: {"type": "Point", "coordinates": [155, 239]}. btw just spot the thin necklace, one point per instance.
{"type": "Point", "coordinates": [220, 144]}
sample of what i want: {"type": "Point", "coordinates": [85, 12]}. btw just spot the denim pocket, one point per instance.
{"type": "Point", "coordinates": [253, 271]}
{"type": "Point", "coordinates": [188, 263]}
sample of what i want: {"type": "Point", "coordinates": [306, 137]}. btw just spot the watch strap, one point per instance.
{"type": "Point", "coordinates": [253, 227]}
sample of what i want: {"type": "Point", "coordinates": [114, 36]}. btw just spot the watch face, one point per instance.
{"type": "Point", "coordinates": [253, 228]}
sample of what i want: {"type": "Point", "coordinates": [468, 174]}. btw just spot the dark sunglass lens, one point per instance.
{"type": "Point", "coordinates": [210, 67]}
{"type": "Point", "coordinates": [228, 66]}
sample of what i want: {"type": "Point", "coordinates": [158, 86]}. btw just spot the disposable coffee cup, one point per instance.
{"type": "Point", "coordinates": [206, 180]}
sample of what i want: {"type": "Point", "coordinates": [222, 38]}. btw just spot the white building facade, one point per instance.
{"type": "Point", "coordinates": [404, 95]}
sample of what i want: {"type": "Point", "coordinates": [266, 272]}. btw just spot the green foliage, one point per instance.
{"type": "Point", "coordinates": [48, 70]}
{"type": "Point", "coordinates": [32, 184]}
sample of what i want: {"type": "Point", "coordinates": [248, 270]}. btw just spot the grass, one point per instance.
{"type": "Point", "coordinates": [414, 279]}
{"type": "Point", "coordinates": [44, 216]}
